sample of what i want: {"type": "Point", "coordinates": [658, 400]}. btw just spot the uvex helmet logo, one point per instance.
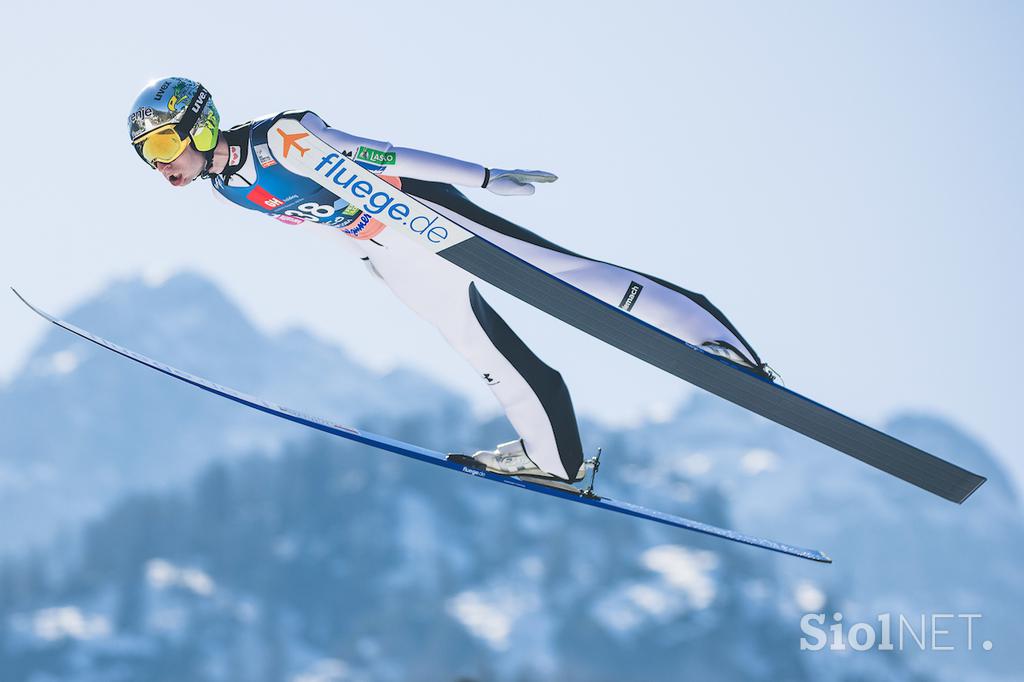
{"type": "Point", "coordinates": [200, 100]}
{"type": "Point", "coordinates": [163, 88]}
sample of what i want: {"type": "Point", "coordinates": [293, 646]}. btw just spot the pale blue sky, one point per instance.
{"type": "Point", "coordinates": [843, 180]}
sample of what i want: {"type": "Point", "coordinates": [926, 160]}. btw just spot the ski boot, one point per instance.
{"type": "Point", "coordinates": [509, 459]}
{"type": "Point", "coordinates": [726, 350]}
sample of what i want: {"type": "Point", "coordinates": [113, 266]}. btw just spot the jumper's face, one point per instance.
{"type": "Point", "coordinates": [183, 169]}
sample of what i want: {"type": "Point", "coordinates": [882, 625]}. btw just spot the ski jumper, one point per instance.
{"type": "Point", "coordinates": [533, 395]}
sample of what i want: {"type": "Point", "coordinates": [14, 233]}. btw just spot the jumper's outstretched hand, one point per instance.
{"type": "Point", "coordinates": [517, 182]}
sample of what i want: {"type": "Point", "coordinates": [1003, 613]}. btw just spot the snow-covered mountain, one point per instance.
{"type": "Point", "coordinates": [329, 561]}
{"type": "Point", "coordinates": [896, 549]}
{"type": "Point", "coordinates": [83, 426]}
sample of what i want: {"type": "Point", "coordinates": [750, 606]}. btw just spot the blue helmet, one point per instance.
{"type": "Point", "coordinates": [168, 115]}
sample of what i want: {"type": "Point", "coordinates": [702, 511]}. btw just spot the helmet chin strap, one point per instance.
{"type": "Point", "coordinates": [205, 173]}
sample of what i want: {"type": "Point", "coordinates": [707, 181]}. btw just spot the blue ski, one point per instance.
{"type": "Point", "coordinates": [564, 492]}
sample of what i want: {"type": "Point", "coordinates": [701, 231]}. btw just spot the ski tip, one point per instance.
{"type": "Point", "coordinates": [23, 299]}
{"type": "Point", "coordinates": [820, 557]}
{"type": "Point", "coordinates": [976, 482]}
{"type": "Point", "coordinates": [34, 309]}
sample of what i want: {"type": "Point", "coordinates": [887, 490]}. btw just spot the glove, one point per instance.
{"type": "Point", "coordinates": [515, 182]}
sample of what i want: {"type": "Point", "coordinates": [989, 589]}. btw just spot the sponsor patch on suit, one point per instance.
{"type": "Point", "coordinates": [632, 293]}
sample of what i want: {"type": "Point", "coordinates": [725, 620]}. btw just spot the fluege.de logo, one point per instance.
{"type": "Point", "coordinates": [346, 178]}
{"type": "Point", "coordinates": [335, 167]}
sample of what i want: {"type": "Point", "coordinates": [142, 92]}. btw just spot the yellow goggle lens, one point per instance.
{"type": "Point", "coordinates": [162, 145]}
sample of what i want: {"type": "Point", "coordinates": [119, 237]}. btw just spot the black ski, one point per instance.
{"type": "Point", "coordinates": [721, 377]}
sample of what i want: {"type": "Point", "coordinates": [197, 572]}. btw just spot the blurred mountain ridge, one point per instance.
{"type": "Point", "coordinates": [209, 542]}
{"type": "Point", "coordinates": [88, 426]}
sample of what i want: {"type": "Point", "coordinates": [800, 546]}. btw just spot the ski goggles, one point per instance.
{"type": "Point", "coordinates": [162, 145]}
{"type": "Point", "coordinates": [166, 143]}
